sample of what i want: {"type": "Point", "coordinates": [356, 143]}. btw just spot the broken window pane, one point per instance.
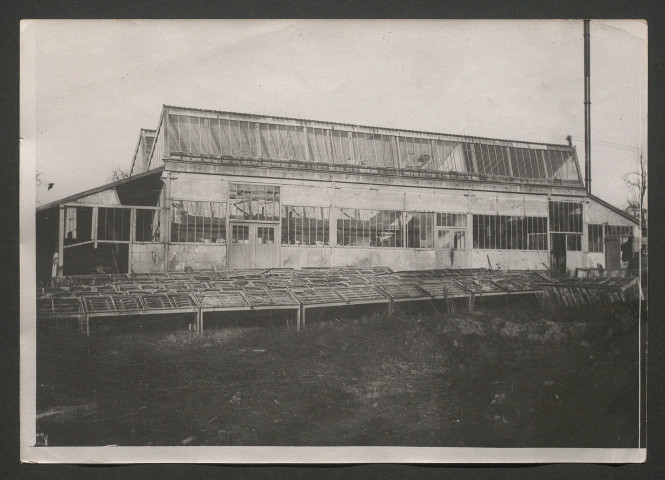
{"type": "Point", "coordinates": [369, 228]}
{"type": "Point", "coordinates": [198, 222]}
{"type": "Point", "coordinates": [305, 226]}
{"type": "Point", "coordinates": [253, 202]}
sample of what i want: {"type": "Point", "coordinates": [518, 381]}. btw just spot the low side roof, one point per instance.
{"type": "Point", "coordinates": [616, 210]}
{"type": "Point", "coordinates": [108, 186]}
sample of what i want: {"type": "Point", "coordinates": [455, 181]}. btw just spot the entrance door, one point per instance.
{"type": "Point", "coordinates": [265, 249]}
{"type": "Point", "coordinates": [612, 253]}
{"type": "Point", "coordinates": [252, 246]}
{"type": "Point", "coordinates": [450, 247]}
{"type": "Point", "coordinates": [558, 254]}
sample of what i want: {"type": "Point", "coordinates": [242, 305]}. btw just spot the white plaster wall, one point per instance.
{"type": "Point", "coordinates": [576, 260]}
{"type": "Point", "coordinates": [202, 187]}
{"type": "Point", "coordinates": [598, 214]}
{"type": "Point", "coordinates": [197, 256]}
{"type": "Point", "coordinates": [429, 200]}
{"type": "Point", "coordinates": [303, 195]}
{"type": "Point", "coordinates": [370, 198]}
{"type": "Point", "coordinates": [509, 259]}
{"type": "Point", "coordinates": [147, 258]}
{"type": "Point", "coordinates": [395, 258]}
{"type": "Point", "coordinates": [593, 259]}
{"type": "Point", "coordinates": [484, 204]}
{"type": "Point", "coordinates": [297, 257]}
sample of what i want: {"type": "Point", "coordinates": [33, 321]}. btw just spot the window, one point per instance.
{"type": "Point", "coordinates": [509, 232]}
{"type": "Point", "coordinates": [622, 231]}
{"type": "Point", "coordinates": [113, 224]}
{"type": "Point", "coordinates": [147, 225]}
{"type": "Point", "coordinates": [265, 235]}
{"type": "Point", "coordinates": [198, 222]}
{"type": "Point", "coordinates": [451, 239]}
{"type": "Point", "coordinates": [419, 230]}
{"type": "Point", "coordinates": [573, 242]}
{"type": "Point", "coordinates": [451, 230]}
{"type": "Point", "coordinates": [451, 220]}
{"type": "Point", "coordinates": [566, 217]}
{"type": "Point", "coordinates": [253, 202]}
{"type": "Point", "coordinates": [596, 241]}
{"type": "Point", "coordinates": [369, 228]}
{"type": "Point", "coordinates": [240, 234]}
{"type": "Point", "coordinates": [305, 226]}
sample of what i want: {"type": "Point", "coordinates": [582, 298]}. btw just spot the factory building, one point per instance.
{"type": "Point", "coordinates": [211, 189]}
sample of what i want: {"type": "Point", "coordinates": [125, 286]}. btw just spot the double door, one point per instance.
{"type": "Point", "coordinates": [252, 245]}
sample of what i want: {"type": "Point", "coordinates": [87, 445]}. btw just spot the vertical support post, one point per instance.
{"type": "Point", "coordinates": [298, 318]}
{"type": "Point", "coordinates": [391, 307]}
{"type": "Point", "coordinates": [61, 243]}
{"type": "Point", "coordinates": [472, 302]}
{"type": "Point", "coordinates": [199, 320]}
{"type": "Point", "coordinates": [307, 156]}
{"type": "Point", "coordinates": [167, 220]}
{"type": "Point", "coordinates": [301, 320]}
{"type": "Point", "coordinates": [84, 325]}
{"type": "Point", "coordinates": [132, 238]}
{"type": "Point", "coordinates": [95, 223]}
{"type": "Point", "coordinates": [258, 140]}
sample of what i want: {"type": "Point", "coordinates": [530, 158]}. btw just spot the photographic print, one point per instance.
{"type": "Point", "coordinates": [265, 241]}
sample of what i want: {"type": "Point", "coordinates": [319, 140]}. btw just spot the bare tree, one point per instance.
{"type": "Point", "coordinates": [40, 183]}
{"type": "Point", "coordinates": [117, 174]}
{"type": "Point", "coordinates": [637, 183]}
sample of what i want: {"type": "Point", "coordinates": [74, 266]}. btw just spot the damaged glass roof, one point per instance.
{"type": "Point", "coordinates": [201, 134]}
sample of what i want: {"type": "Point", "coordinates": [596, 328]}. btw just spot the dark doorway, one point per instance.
{"type": "Point", "coordinates": [558, 254]}
{"type": "Point", "coordinates": [612, 253]}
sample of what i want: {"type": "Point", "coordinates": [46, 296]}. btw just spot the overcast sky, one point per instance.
{"type": "Point", "coordinates": [98, 82]}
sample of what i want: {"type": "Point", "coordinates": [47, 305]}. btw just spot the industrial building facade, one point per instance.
{"type": "Point", "coordinates": [223, 190]}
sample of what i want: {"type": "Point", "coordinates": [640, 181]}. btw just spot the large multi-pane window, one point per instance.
{"type": "Point", "coordinates": [419, 230]}
{"type": "Point", "coordinates": [198, 222]}
{"type": "Point", "coordinates": [369, 228]}
{"type": "Point", "coordinates": [253, 202]}
{"type": "Point", "coordinates": [566, 217]}
{"type": "Point", "coordinates": [509, 232]}
{"type": "Point", "coordinates": [305, 226]}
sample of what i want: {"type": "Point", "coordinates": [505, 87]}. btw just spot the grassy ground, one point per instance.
{"type": "Point", "coordinates": [509, 377]}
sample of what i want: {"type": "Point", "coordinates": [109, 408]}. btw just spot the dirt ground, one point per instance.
{"type": "Point", "coordinates": [513, 376]}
